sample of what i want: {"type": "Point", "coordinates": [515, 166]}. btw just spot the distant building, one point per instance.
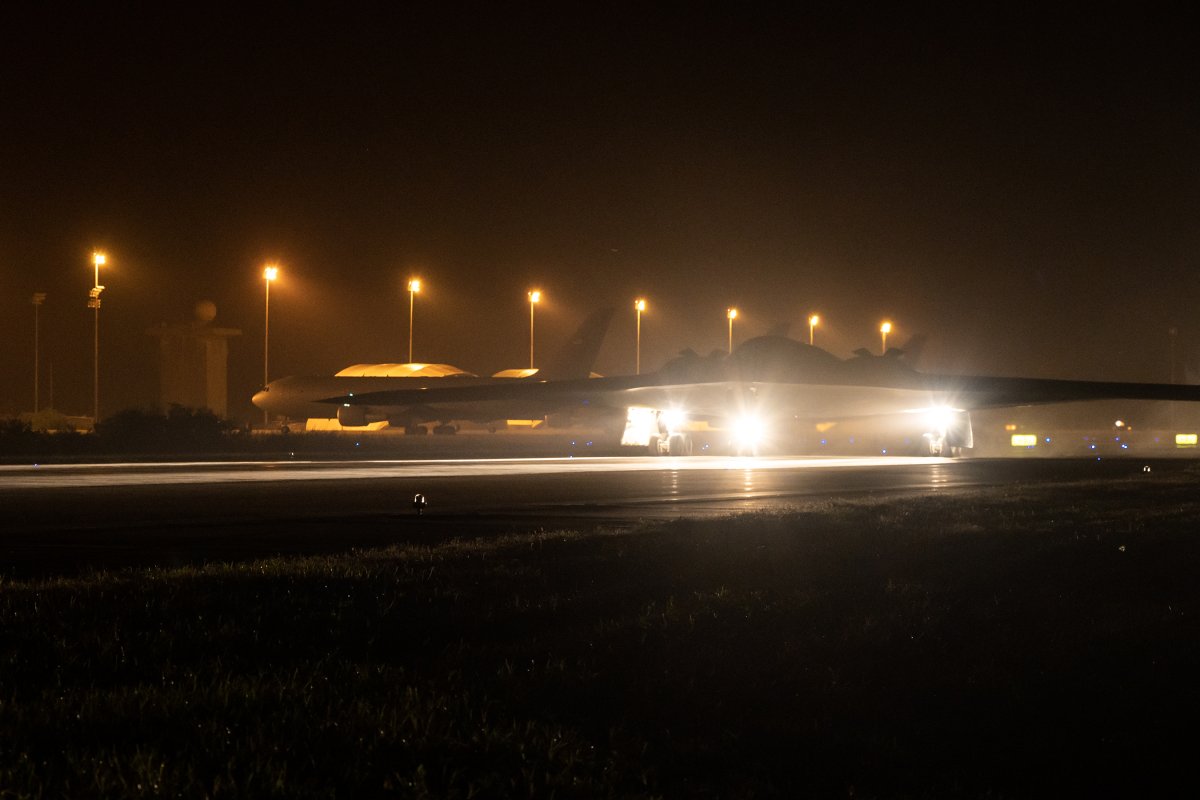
{"type": "Point", "coordinates": [193, 362]}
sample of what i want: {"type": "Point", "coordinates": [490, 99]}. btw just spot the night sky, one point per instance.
{"type": "Point", "coordinates": [1022, 186]}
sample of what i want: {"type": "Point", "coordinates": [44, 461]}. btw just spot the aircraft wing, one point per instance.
{"type": "Point", "coordinates": [514, 399]}
{"type": "Point", "coordinates": [980, 392]}
{"type": "Point", "coordinates": [719, 398]}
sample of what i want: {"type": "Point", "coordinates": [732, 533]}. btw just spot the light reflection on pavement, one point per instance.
{"type": "Point", "coordinates": [60, 476]}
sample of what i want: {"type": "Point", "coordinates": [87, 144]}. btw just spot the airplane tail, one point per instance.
{"type": "Point", "coordinates": [913, 348]}
{"type": "Point", "coordinates": [576, 358]}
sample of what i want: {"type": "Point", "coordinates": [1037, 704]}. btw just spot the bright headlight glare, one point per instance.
{"type": "Point", "coordinates": [748, 430]}
{"type": "Point", "coordinates": [673, 419]}
{"type": "Point", "coordinates": [939, 419]}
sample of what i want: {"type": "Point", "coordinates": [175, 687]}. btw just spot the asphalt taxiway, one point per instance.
{"type": "Point", "coordinates": [60, 518]}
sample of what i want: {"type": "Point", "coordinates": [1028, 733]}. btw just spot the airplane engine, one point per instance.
{"type": "Point", "coordinates": [352, 416]}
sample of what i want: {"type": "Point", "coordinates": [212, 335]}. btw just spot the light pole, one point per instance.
{"type": "Point", "coordinates": [535, 297]}
{"type": "Point", "coordinates": [1172, 331]}
{"type": "Point", "coordinates": [884, 330]}
{"type": "Point", "coordinates": [414, 286]}
{"type": "Point", "coordinates": [812, 325]}
{"type": "Point", "coordinates": [38, 299]}
{"type": "Point", "coordinates": [98, 260]}
{"type": "Point", "coordinates": [269, 274]}
{"type": "Point", "coordinates": [731, 314]}
{"type": "Point", "coordinates": [639, 306]}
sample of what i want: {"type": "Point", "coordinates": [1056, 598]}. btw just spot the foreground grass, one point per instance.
{"type": "Point", "coordinates": [994, 643]}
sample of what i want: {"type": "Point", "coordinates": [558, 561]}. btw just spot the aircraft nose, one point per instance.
{"type": "Point", "coordinates": [260, 398]}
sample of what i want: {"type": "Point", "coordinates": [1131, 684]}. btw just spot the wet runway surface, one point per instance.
{"type": "Point", "coordinates": [58, 519]}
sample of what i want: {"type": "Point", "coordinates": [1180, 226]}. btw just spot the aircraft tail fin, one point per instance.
{"type": "Point", "coordinates": [914, 347]}
{"type": "Point", "coordinates": [578, 355]}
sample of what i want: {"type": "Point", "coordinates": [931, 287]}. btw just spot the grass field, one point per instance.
{"type": "Point", "coordinates": [997, 642]}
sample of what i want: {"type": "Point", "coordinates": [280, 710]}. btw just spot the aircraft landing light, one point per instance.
{"type": "Point", "coordinates": [673, 419]}
{"type": "Point", "coordinates": [748, 431]}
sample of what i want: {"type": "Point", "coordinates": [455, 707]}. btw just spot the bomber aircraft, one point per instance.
{"type": "Point", "coordinates": [767, 381]}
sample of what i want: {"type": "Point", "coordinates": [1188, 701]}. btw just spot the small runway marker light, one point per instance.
{"type": "Point", "coordinates": [419, 503]}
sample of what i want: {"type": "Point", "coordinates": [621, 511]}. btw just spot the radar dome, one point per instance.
{"type": "Point", "coordinates": [206, 311]}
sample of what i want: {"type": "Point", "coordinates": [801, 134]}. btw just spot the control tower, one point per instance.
{"type": "Point", "coordinates": [193, 362]}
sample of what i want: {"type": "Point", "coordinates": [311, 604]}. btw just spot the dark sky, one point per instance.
{"type": "Point", "coordinates": [1018, 184]}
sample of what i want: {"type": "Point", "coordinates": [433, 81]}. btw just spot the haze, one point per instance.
{"type": "Point", "coordinates": [1021, 188]}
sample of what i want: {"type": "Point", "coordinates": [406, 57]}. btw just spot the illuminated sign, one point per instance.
{"type": "Point", "coordinates": [1185, 440]}
{"type": "Point", "coordinates": [1024, 440]}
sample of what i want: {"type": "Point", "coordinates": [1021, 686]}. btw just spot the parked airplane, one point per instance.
{"type": "Point", "coordinates": [766, 381]}
{"type": "Point", "coordinates": [329, 397]}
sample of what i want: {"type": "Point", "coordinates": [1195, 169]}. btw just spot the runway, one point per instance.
{"type": "Point", "coordinates": [64, 517]}
{"type": "Point", "coordinates": [60, 476]}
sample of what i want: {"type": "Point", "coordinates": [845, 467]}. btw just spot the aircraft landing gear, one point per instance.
{"type": "Point", "coordinates": [676, 444]}
{"type": "Point", "coordinates": [940, 447]}
{"type": "Point", "coordinates": [680, 444]}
